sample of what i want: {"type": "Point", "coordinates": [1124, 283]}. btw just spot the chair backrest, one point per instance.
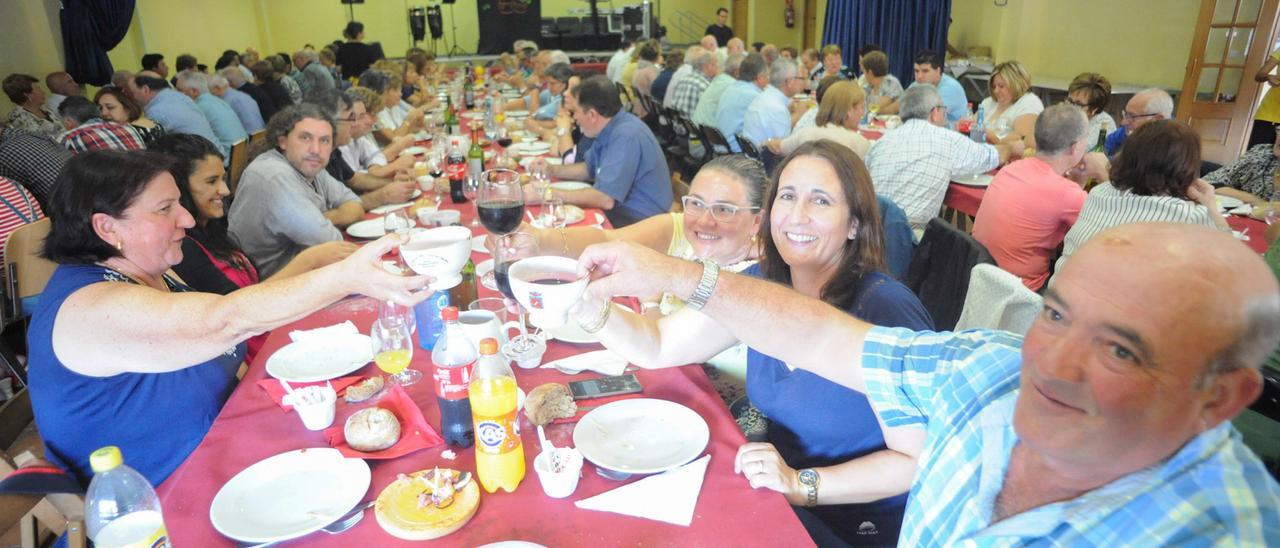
{"type": "Point", "coordinates": [719, 144]}
{"type": "Point", "coordinates": [26, 272]}
{"type": "Point", "coordinates": [996, 299]}
{"type": "Point", "coordinates": [689, 130]}
{"type": "Point", "coordinates": [257, 137]}
{"type": "Point", "coordinates": [239, 160]}
{"type": "Point", "coordinates": [939, 271]}
{"type": "Point", "coordinates": [748, 147]}
{"type": "Point", "coordinates": [899, 239]}
{"type": "Point", "coordinates": [31, 515]}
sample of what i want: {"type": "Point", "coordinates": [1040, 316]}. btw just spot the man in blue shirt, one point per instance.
{"type": "Point", "coordinates": [928, 69]}
{"type": "Point", "coordinates": [173, 110]}
{"type": "Point", "coordinates": [1145, 106]}
{"type": "Point", "coordinates": [1108, 424]}
{"type": "Point", "coordinates": [770, 115]}
{"type": "Point", "coordinates": [245, 107]}
{"type": "Point", "coordinates": [630, 174]}
{"type": "Point", "coordinates": [753, 76]}
{"type": "Point", "coordinates": [226, 125]}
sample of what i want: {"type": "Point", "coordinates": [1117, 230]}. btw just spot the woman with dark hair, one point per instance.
{"type": "Point", "coordinates": [211, 261]}
{"type": "Point", "coordinates": [1092, 92]}
{"type": "Point", "coordinates": [821, 234]}
{"type": "Point", "coordinates": [1155, 178]}
{"type": "Point", "coordinates": [123, 354]}
{"type": "Point", "coordinates": [29, 111]}
{"type": "Point", "coordinates": [117, 107]}
{"type": "Point", "coordinates": [355, 56]}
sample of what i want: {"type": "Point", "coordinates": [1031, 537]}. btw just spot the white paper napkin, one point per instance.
{"type": "Point", "coordinates": [323, 333]}
{"type": "Point", "coordinates": [670, 496]}
{"type": "Point", "coordinates": [604, 362]}
{"type": "Point", "coordinates": [1242, 210]}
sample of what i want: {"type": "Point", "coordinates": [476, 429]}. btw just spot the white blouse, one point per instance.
{"type": "Point", "coordinates": [1002, 125]}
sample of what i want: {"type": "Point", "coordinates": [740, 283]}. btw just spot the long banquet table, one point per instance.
{"type": "Point", "coordinates": [251, 427]}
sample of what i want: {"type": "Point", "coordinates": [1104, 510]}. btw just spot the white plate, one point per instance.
{"type": "Point", "coordinates": [551, 161]}
{"type": "Point", "coordinates": [641, 436]}
{"type": "Point", "coordinates": [320, 361]}
{"type": "Point", "coordinates": [530, 149]}
{"type": "Point", "coordinates": [289, 495]}
{"type": "Point", "coordinates": [383, 209]}
{"type": "Point", "coordinates": [570, 185]}
{"type": "Point", "coordinates": [367, 229]}
{"type": "Point", "coordinates": [484, 273]}
{"type": "Point", "coordinates": [570, 332]}
{"type": "Point", "coordinates": [517, 113]}
{"type": "Point", "coordinates": [1227, 202]}
{"type": "Point", "coordinates": [474, 115]}
{"type": "Point", "coordinates": [477, 244]}
{"type": "Point", "coordinates": [980, 180]}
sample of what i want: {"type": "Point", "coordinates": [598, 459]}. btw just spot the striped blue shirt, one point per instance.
{"type": "Point", "coordinates": [962, 387]}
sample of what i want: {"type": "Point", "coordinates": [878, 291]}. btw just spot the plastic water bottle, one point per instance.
{"type": "Point", "coordinates": [453, 358]}
{"type": "Point", "coordinates": [499, 455]}
{"type": "Point", "coordinates": [979, 130]}
{"type": "Point", "coordinates": [121, 508]}
{"type": "Point", "coordinates": [427, 314]}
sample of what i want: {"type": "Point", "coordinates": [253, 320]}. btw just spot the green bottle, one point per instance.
{"type": "Point", "coordinates": [475, 155]}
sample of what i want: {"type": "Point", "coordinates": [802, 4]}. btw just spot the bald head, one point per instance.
{"type": "Point", "coordinates": [62, 84]}
{"type": "Point", "coordinates": [1147, 105]}
{"type": "Point", "coordinates": [736, 45]}
{"type": "Point", "coordinates": [708, 42]}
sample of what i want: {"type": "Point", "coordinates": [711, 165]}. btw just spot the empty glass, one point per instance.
{"type": "Point", "coordinates": [397, 221]}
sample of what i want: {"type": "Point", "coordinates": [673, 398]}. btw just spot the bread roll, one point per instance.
{"type": "Point", "coordinates": [364, 390]}
{"type": "Point", "coordinates": [549, 402]}
{"type": "Point", "coordinates": [372, 429]}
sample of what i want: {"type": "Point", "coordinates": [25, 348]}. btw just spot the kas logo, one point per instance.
{"type": "Point", "coordinates": [867, 528]}
{"type": "Point", "coordinates": [535, 300]}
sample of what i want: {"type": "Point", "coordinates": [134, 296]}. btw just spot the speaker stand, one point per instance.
{"type": "Point", "coordinates": [453, 29]}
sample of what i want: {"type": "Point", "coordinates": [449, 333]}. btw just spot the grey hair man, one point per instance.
{"type": "Point", "coordinates": [772, 113]}
{"type": "Point", "coordinates": [706, 67]}
{"type": "Point", "coordinates": [753, 78]}
{"type": "Point", "coordinates": [558, 56]}
{"type": "Point", "coordinates": [226, 125]}
{"type": "Point", "coordinates": [1147, 105]}
{"type": "Point", "coordinates": [245, 107]}
{"type": "Point", "coordinates": [61, 85]}
{"type": "Point", "coordinates": [237, 81]}
{"type": "Point", "coordinates": [770, 53]}
{"type": "Point", "coordinates": [705, 113]}
{"type": "Point", "coordinates": [913, 164]}
{"type": "Point", "coordinates": [312, 77]}
{"type": "Point", "coordinates": [685, 70]}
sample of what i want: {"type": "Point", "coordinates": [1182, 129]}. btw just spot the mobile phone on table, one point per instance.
{"type": "Point", "coordinates": [604, 387]}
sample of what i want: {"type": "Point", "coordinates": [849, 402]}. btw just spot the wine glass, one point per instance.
{"type": "Point", "coordinates": [396, 312]}
{"type": "Point", "coordinates": [393, 350]}
{"type": "Point", "coordinates": [397, 221]}
{"type": "Point", "coordinates": [471, 188]}
{"type": "Point", "coordinates": [500, 205]}
{"type": "Point", "coordinates": [508, 249]}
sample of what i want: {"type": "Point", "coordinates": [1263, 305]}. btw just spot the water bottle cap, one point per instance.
{"type": "Point", "coordinates": [449, 313]}
{"type": "Point", "coordinates": [488, 346]}
{"type": "Point", "coordinates": [105, 459]}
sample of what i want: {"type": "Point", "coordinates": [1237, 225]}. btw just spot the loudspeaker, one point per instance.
{"type": "Point", "coordinates": [435, 22]}
{"type": "Point", "coordinates": [450, 1]}
{"type": "Point", "coordinates": [418, 24]}
{"type": "Point", "coordinates": [352, 1]}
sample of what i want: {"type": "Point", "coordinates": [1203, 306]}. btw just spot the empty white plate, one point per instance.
{"type": "Point", "coordinates": [570, 185]}
{"type": "Point", "coordinates": [367, 229]}
{"type": "Point", "coordinates": [980, 180]}
{"type": "Point", "coordinates": [530, 149]}
{"type": "Point", "coordinates": [517, 113]}
{"type": "Point", "coordinates": [641, 436]}
{"type": "Point", "coordinates": [314, 361]}
{"type": "Point", "coordinates": [1227, 202]}
{"type": "Point", "coordinates": [289, 495]}
{"type": "Point", "coordinates": [383, 209]}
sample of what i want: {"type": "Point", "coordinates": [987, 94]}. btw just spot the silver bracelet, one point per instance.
{"type": "Point", "coordinates": [597, 325]}
{"type": "Point", "coordinates": [706, 285]}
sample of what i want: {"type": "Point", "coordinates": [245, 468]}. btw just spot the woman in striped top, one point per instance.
{"type": "Point", "coordinates": [1154, 179]}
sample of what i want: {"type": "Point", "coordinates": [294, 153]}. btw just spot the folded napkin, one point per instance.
{"type": "Point", "coordinates": [1242, 210]}
{"type": "Point", "coordinates": [276, 391]}
{"type": "Point", "coordinates": [670, 496]}
{"type": "Point", "coordinates": [605, 362]}
{"type": "Point", "coordinates": [320, 334]}
{"type": "Point", "coordinates": [415, 433]}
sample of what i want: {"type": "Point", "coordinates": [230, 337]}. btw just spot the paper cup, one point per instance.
{"type": "Point", "coordinates": [558, 471]}
{"type": "Point", "coordinates": [315, 404]}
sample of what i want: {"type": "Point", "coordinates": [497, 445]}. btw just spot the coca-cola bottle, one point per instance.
{"type": "Point", "coordinates": [453, 358]}
{"type": "Point", "coordinates": [456, 170]}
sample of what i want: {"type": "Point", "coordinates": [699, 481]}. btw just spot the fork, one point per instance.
{"type": "Point", "coordinates": [342, 525]}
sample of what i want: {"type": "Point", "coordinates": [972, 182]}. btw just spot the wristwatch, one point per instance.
{"type": "Point", "coordinates": [562, 131]}
{"type": "Point", "coordinates": [809, 480]}
{"type": "Point", "coordinates": [706, 285]}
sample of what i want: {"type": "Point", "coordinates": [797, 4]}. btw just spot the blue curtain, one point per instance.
{"type": "Point", "coordinates": [90, 28]}
{"type": "Point", "coordinates": [901, 27]}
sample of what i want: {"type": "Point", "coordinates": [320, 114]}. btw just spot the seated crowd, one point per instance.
{"type": "Point", "coordinates": [1107, 422]}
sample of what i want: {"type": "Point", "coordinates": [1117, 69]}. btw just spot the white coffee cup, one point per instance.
{"type": "Point", "coordinates": [483, 324]}
{"type": "Point", "coordinates": [314, 404]}
{"type": "Point", "coordinates": [558, 471]}
{"type": "Point", "coordinates": [440, 253]}
{"type": "Point", "coordinates": [548, 304]}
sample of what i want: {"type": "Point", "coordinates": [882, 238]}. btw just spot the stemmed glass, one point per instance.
{"type": "Point", "coordinates": [507, 250]}
{"type": "Point", "coordinates": [500, 205]}
{"type": "Point", "coordinates": [393, 349]}
{"type": "Point", "coordinates": [470, 189]}
{"type": "Point", "coordinates": [397, 221]}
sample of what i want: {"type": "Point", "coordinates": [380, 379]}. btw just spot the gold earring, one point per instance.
{"type": "Point", "coordinates": [120, 246]}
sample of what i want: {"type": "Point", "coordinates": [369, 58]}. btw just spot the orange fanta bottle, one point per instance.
{"type": "Point", "coordinates": [499, 454]}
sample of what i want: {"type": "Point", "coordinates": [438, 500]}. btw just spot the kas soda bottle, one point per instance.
{"type": "Point", "coordinates": [499, 455]}
{"type": "Point", "coordinates": [453, 357]}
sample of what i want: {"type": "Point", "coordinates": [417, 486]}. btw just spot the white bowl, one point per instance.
{"type": "Point", "coordinates": [440, 253]}
{"type": "Point", "coordinates": [548, 303]}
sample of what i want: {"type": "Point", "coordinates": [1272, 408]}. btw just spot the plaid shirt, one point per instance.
{"type": "Point", "coordinates": [687, 92]}
{"type": "Point", "coordinates": [33, 160]}
{"type": "Point", "coordinates": [95, 134]}
{"type": "Point", "coordinates": [913, 164]}
{"type": "Point", "coordinates": [962, 387]}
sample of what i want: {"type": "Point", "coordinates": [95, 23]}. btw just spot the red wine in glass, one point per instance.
{"type": "Point", "coordinates": [501, 216]}
{"type": "Point", "coordinates": [504, 142]}
{"type": "Point", "coordinates": [501, 278]}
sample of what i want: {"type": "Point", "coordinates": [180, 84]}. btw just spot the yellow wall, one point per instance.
{"type": "Point", "coordinates": [1129, 41]}
{"type": "Point", "coordinates": [30, 39]}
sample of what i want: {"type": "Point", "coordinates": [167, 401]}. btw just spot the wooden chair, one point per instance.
{"type": "Point", "coordinates": [239, 160]}
{"type": "Point", "coordinates": [26, 272]}
{"type": "Point", "coordinates": [28, 518]}
{"type": "Point", "coordinates": [257, 137]}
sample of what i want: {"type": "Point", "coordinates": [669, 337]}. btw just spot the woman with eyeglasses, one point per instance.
{"type": "Point", "coordinates": [1092, 92]}
{"type": "Point", "coordinates": [820, 234]}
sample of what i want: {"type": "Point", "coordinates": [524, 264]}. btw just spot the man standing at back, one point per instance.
{"type": "Point", "coordinates": [286, 201]}
{"type": "Point", "coordinates": [222, 118]}
{"type": "Point", "coordinates": [632, 181]}
{"type": "Point", "coordinates": [752, 79]}
{"type": "Point", "coordinates": [1030, 206]}
{"type": "Point", "coordinates": [721, 29]}
{"type": "Point", "coordinates": [173, 110]}
{"type": "Point", "coordinates": [928, 70]}
{"type": "Point", "coordinates": [1148, 105]}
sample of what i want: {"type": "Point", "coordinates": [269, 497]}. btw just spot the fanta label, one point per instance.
{"type": "Point", "coordinates": [496, 435]}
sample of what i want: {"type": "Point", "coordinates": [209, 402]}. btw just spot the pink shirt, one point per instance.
{"type": "Point", "coordinates": [1024, 216]}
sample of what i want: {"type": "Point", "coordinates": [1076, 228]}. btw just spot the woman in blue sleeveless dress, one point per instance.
{"type": "Point", "coordinates": [121, 352]}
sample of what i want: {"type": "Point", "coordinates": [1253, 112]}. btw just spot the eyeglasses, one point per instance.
{"type": "Point", "coordinates": [1070, 101]}
{"type": "Point", "coordinates": [1128, 116]}
{"type": "Point", "coordinates": [722, 212]}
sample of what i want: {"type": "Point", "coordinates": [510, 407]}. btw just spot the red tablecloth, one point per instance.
{"type": "Point", "coordinates": [251, 428]}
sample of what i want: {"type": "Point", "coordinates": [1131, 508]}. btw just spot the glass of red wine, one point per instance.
{"type": "Point", "coordinates": [500, 204]}
{"type": "Point", "coordinates": [509, 249]}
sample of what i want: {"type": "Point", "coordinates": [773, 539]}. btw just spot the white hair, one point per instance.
{"type": "Point", "coordinates": [233, 75]}
{"type": "Point", "coordinates": [1158, 101]}
{"type": "Point", "coordinates": [781, 71]}
{"type": "Point", "coordinates": [692, 53]}
{"type": "Point", "coordinates": [309, 55]}
{"type": "Point", "coordinates": [559, 56]}
{"type": "Point", "coordinates": [218, 80]}
{"type": "Point", "coordinates": [194, 80]}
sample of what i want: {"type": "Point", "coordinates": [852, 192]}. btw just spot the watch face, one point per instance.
{"type": "Point", "coordinates": [808, 477]}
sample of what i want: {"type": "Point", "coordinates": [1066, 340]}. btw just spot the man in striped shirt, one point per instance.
{"type": "Point", "coordinates": [1107, 425]}
{"type": "Point", "coordinates": [86, 130]}
{"type": "Point", "coordinates": [689, 90]}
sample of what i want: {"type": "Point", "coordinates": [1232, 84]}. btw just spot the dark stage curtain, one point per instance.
{"type": "Point", "coordinates": [90, 28]}
{"type": "Point", "coordinates": [505, 21]}
{"type": "Point", "coordinates": [901, 27]}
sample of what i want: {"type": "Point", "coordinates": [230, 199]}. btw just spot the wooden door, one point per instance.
{"type": "Point", "coordinates": [1232, 40]}
{"type": "Point", "coordinates": [810, 25]}
{"type": "Point", "coordinates": [738, 19]}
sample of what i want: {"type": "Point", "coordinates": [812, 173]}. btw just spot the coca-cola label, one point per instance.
{"type": "Point", "coordinates": [456, 172]}
{"type": "Point", "coordinates": [453, 383]}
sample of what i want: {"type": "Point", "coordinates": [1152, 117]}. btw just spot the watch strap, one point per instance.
{"type": "Point", "coordinates": [706, 285]}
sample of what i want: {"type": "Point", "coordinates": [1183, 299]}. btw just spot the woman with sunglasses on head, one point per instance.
{"type": "Point", "coordinates": [821, 234]}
